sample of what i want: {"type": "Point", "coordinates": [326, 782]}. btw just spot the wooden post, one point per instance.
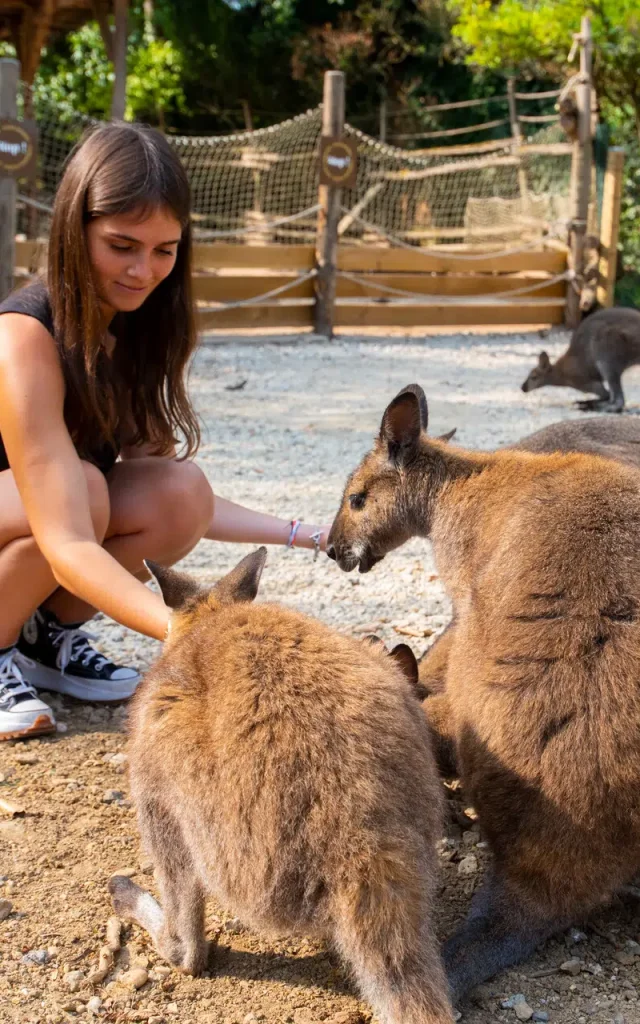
{"type": "Point", "coordinates": [517, 135]}
{"type": "Point", "coordinates": [329, 214]}
{"type": "Point", "coordinates": [383, 119]}
{"type": "Point", "coordinates": [246, 113]}
{"type": "Point", "coordinates": [9, 74]}
{"type": "Point", "coordinates": [119, 98]}
{"type": "Point", "coordinates": [610, 226]}
{"type": "Point", "coordinates": [580, 174]}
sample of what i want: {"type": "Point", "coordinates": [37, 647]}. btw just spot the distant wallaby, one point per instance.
{"type": "Point", "coordinates": [287, 769]}
{"type": "Point", "coordinates": [541, 557]}
{"type": "Point", "coordinates": [603, 346]}
{"type": "Point", "coordinates": [609, 436]}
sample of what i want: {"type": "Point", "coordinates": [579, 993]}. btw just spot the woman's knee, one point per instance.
{"type": "Point", "coordinates": [182, 503]}
{"type": "Point", "coordinates": [98, 495]}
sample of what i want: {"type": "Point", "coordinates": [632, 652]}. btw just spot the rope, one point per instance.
{"type": "Point", "coordinates": [551, 94]}
{"type": "Point", "coordinates": [265, 295]}
{"type": "Point", "coordinates": [257, 228]}
{"type": "Point", "coordinates": [28, 201]}
{"type": "Point", "coordinates": [199, 141]}
{"type": "Point", "coordinates": [456, 131]}
{"type": "Point", "coordinates": [423, 251]}
{"type": "Point", "coordinates": [456, 299]}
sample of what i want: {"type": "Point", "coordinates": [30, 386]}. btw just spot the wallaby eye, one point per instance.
{"type": "Point", "coordinates": [357, 501]}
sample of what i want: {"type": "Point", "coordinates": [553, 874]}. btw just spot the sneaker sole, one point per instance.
{"type": "Point", "coordinates": [40, 727]}
{"type": "Point", "coordinates": [43, 678]}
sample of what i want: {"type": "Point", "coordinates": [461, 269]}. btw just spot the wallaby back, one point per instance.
{"type": "Point", "coordinates": [287, 769]}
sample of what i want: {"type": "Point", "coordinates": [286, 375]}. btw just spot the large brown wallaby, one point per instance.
{"type": "Point", "coordinates": [287, 769]}
{"type": "Point", "coordinates": [609, 436]}
{"type": "Point", "coordinates": [541, 557]}
{"type": "Point", "coordinates": [602, 347]}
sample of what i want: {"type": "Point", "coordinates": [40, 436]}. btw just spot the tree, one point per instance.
{"type": "Point", "coordinates": [535, 35]}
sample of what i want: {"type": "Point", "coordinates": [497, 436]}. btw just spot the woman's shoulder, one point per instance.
{"type": "Point", "coordinates": [33, 301]}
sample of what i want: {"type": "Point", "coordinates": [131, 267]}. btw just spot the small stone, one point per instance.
{"type": "Point", "coordinates": [523, 1011]}
{"type": "Point", "coordinates": [119, 759]}
{"type": "Point", "coordinates": [250, 1019]}
{"type": "Point", "coordinates": [618, 1019]}
{"type": "Point", "coordinates": [135, 978]}
{"type": "Point", "coordinates": [162, 971]}
{"type": "Point", "coordinates": [112, 796]}
{"type": "Point", "coordinates": [512, 1001]}
{"type": "Point", "coordinates": [632, 947]}
{"type": "Point", "coordinates": [62, 727]}
{"type": "Point", "coordinates": [36, 958]}
{"type": "Point", "coordinates": [540, 1015]}
{"type": "Point", "coordinates": [468, 865]}
{"type": "Point", "coordinates": [575, 936]}
{"type": "Point", "coordinates": [73, 980]}
{"type": "Point", "coordinates": [234, 926]}
{"type": "Point", "coordinates": [172, 1007]}
{"type": "Point", "coordinates": [146, 867]}
{"type": "Point", "coordinates": [572, 966]}
{"type": "Point", "coordinates": [470, 837]}
{"type": "Point", "coordinates": [26, 759]}
{"type": "Point", "coordinates": [94, 1005]}
{"type": "Point", "coordinates": [126, 872]}
{"type": "Point", "coordinates": [6, 906]}
{"type": "Point", "coordinates": [624, 958]}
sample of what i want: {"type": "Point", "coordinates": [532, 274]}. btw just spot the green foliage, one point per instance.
{"type": "Point", "coordinates": [77, 77]}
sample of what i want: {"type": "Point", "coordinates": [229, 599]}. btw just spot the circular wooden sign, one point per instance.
{"type": "Point", "coordinates": [338, 162]}
{"type": "Point", "coordinates": [18, 148]}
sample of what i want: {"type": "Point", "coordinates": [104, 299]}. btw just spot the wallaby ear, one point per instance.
{"type": "Point", "coordinates": [543, 361]}
{"type": "Point", "coordinates": [176, 587]}
{"type": "Point", "coordinates": [374, 640]}
{"type": "Point", "coordinates": [241, 584]}
{"type": "Point", "coordinates": [449, 434]}
{"type": "Point", "coordinates": [406, 659]}
{"type": "Point", "coordinates": [403, 421]}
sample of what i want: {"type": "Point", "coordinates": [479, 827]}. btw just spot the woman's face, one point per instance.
{"type": "Point", "coordinates": [130, 256]}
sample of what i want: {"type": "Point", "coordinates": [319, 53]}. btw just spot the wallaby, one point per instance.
{"type": "Point", "coordinates": [609, 436]}
{"type": "Point", "coordinates": [602, 347]}
{"type": "Point", "coordinates": [287, 769]}
{"type": "Point", "coordinates": [541, 557]}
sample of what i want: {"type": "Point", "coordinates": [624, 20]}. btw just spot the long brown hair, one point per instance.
{"type": "Point", "coordinates": [121, 168]}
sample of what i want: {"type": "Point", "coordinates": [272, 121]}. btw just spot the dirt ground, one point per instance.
{"type": "Point", "coordinates": [72, 825]}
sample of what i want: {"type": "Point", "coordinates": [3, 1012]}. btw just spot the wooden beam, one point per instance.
{"type": "Point", "coordinates": [610, 225]}
{"type": "Point", "coordinates": [9, 74]}
{"type": "Point", "coordinates": [119, 98]}
{"type": "Point", "coordinates": [580, 172]}
{"type": "Point", "coordinates": [415, 261]}
{"type": "Point", "coordinates": [354, 314]}
{"type": "Point", "coordinates": [329, 213]}
{"type": "Point", "coordinates": [276, 257]}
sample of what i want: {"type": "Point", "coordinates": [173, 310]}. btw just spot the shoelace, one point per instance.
{"type": "Point", "coordinates": [12, 665]}
{"type": "Point", "coordinates": [74, 643]}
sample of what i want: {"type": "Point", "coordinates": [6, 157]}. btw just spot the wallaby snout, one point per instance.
{"type": "Point", "coordinates": [287, 769]}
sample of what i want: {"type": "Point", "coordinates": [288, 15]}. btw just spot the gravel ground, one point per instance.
{"type": "Point", "coordinates": [283, 444]}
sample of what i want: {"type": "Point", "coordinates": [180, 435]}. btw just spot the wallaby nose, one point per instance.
{"type": "Point", "coordinates": [524, 387]}
{"type": "Point", "coordinates": [331, 551]}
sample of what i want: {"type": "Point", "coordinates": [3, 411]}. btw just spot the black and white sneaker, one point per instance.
{"type": "Point", "coordinates": [65, 661]}
{"type": "Point", "coordinates": [22, 713]}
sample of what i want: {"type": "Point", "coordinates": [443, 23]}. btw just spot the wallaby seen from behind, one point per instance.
{"type": "Point", "coordinates": [287, 770]}
{"type": "Point", "coordinates": [540, 555]}
{"type": "Point", "coordinates": [602, 347]}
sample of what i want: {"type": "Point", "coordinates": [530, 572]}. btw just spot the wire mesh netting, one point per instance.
{"type": "Point", "coordinates": [262, 187]}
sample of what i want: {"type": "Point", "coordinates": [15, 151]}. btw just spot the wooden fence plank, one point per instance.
{"type": "Point", "coordinates": [276, 257]}
{"type": "Point", "coordinates": [409, 261]}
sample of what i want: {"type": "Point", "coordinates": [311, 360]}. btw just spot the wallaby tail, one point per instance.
{"type": "Point", "coordinates": [387, 938]}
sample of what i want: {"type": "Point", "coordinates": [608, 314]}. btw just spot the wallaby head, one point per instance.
{"type": "Point", "coordinates": [540, 375]}
{"type": "Point", "coordinates": [189, 599]}
{"type": "Point", "coordinates": [386, 499]}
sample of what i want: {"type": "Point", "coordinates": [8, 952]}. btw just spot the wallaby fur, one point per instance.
{"type": "Point", "coordinates": [540, 555]}
{"type": "Point", "coordinates": [609, 436]}
{"type": "Point", "coordinates": [287, 770]}
{"type": "Point", "coordinates": [602, 347]}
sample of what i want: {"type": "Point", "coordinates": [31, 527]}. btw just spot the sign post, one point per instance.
{"type": "Point", "coordinates": [9, 71]}
{"type": "Point", "coordinates": [337, 171]}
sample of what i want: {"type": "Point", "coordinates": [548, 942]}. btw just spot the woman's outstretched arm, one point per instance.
{"type": "Point", "coordinates": [231, 522]}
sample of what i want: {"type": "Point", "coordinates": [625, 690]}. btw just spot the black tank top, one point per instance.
{"type": "Point", "coordinates": [33, 300]}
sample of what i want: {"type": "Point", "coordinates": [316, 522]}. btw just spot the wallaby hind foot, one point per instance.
{"type": "Point", "coordinates": [132, 903]}
{"type": "Point", "coordinates": [498, 933]}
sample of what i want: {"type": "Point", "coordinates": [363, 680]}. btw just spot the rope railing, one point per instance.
{"type": "Point", "coordinates": [408, 296]}
{"type": "Point", "coordinates": [257, 299]}
{"type": "Point", "coordinates": [262, 227]}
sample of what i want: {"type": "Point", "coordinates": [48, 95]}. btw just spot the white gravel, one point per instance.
{"type": "Point", "coordinates": [285, 443]}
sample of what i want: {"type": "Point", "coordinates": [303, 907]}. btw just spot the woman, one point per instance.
{"type": "Point", "coordinates": [92, 370]}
